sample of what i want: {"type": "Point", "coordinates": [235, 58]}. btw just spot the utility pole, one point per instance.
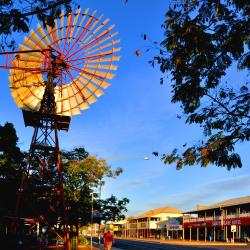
{"type": "Point", "coordinates": [92, 212]}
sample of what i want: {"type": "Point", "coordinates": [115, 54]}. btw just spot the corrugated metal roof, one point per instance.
{"type": "Point", "coordinates": [150, 213]}
{"type": "Point", "coordinates": [226, 203]}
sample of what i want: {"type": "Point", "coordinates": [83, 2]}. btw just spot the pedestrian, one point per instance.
{"type": "Point", "coordinates": [108, 240]}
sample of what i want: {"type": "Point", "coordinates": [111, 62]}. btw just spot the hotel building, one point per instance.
{"type": "Point", "coordinates": [224, 221]}
{"type": "Point", "coordinates": [147, 224]}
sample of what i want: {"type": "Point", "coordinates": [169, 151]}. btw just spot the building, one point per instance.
{"type": "Point", "coordinates": [116, 228]}
{"type": "Point", "coordinates": [170, 228]}
{"type": "Point", "coordinates": [93, 229]}
{"type": "Point", "coordinates": [224, 221]}
{"type": "Point", "coordinates": [147, 224]}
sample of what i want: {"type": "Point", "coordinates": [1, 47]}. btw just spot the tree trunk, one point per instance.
{"type": "Point", "coordinates": [77, 235]}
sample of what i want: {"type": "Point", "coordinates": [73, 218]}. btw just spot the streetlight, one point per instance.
{"type": "Point", "coordinates": [97, 214]}
{"type": "Point", "coordinates": [100, 193]}
{"type": "Point", "coordinates": [92, 217]}
{"type": "Point", "coordinates": [92, 211]}
{"type": "Point", "coordinates": [145, 158]}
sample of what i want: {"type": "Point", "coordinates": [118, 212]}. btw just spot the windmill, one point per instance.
{"type": "Point", "coordinates": [56, 74]}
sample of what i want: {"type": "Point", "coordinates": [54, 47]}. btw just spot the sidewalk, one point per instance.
{"type": "Point", "coordinates": [113, 248]}
{"type": "Point", "coordinates": [102, 247]}
{"type": "Point", "coordinates": [188, 242]}
{"type": "Point", "coordinates": [201, 243]}
{"type": "Point", "coordinates": [96, 246]}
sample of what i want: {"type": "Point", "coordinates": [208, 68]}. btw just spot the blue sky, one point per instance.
{"type": "Point", "coordinates": [136, 117]}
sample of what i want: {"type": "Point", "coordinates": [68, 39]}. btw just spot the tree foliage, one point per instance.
{"type": "Point", "coordinates": [204, 41]}
{"type": "Point", "coordinates": [16, 17]}
{"type": "Point", "coordinates": [11, 162]}
{"type": "Point", "coordinates": [83, 173]}
{"type": "Point", "coordinates": [113, 209]}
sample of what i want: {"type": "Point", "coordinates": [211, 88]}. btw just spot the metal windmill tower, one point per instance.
{"type": "Point", "coordinates": [57, 73]}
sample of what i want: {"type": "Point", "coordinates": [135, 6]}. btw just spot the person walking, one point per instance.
{"type": "Point", "coordinates": [108, 240]}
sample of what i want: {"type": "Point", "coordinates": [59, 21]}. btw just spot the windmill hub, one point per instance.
{"type": "Point", "coordinates": [61, 64]}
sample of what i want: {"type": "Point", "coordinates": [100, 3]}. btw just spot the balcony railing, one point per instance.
{"type": "Point", "coordinates": [147, 225]}
{"type": "Point", "coordinates": [142, 225]}
{"type": "Point", "coordinates": [244, 215]}
{"type": "Point", "coordinates": [132, 225]}
{"type": "Point", "coordinates": [217, 217]}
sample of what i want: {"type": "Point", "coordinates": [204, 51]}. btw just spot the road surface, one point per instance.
{"type": "Point", "coordinates": [142, 245]}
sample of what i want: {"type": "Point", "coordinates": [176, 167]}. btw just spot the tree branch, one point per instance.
{"type": "Point", "coordinates": [34, 12]}
{"type": "Point", "coordinates": [221, 104]}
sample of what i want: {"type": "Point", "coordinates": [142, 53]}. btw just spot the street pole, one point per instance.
{"type": "Point", "coordinates": [100, 193]}
{"type": "Point", "coordinates": [92, 211]}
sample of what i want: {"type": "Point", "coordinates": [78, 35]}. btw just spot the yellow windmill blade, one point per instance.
{"type": "Point", "coordinates": [98, 28]}
{"type": "Point", "coordinates": [79, 53]}
{"type": "Point", "coordinates": [43, 34]}
{"type": "Point", "coordinates": [104, 41]}
{"type": "Point", "coordinates": [95, 89]}
{"type": "Point", "coordinates": [95, 80]}
{"type": "Point", "coordinates": [92, 50]}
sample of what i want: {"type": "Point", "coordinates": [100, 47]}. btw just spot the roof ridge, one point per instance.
{"type": "Point", "coordinates": [226, 203]}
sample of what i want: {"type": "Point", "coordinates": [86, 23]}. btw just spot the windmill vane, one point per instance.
{"type": "Point", "coordinates": [78, 52]}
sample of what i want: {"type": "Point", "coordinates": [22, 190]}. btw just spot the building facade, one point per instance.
{"type": "Point", "coordinates": [170, 229]}
{"type": "Point", "coordinates": [224, 221]}
{"type": "Point", "coordinates": [147, 224]}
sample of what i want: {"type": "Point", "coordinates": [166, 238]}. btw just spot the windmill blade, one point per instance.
{"type": "Point", "coordinates": [91, 87]}
{"type": "Point", "coordinates": [43, 34]}
{"type": "Point", "coordinates": [75, 22]}
{"type": "Point", "coordinates": [106, 59]}
{"type": "Point", "coordinates": [97, 29]}
{"type": "Point", "coordinates": [95, 80]}
{"type": "Point", "coordinates": [37, 40]}
{"type": "Point", "coordinates": [104, 40]}
{"type": "Point", "coordinates": [93, 49]}
{"type": "Point", "coordinates": [80, 52]}
{"type": "Point", "coordinates": [102, 66]}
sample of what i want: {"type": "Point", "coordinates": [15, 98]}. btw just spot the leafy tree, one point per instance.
{"type": "Point", "coordinates": [204, 41]}
{"type": "Point", "coordinates": [10, 152]}
{"type": "Point", "coordinates": [16, 16]}
{"type": "Point", "coordinates": [11, 162]}
{"type": "Point", "coordinates": [112, 209]}
{"type": "Point", "coordinates": [83, 173]}
{"type": "Point", "coordinates": [75, 155]}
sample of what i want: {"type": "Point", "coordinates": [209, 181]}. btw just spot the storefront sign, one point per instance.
{"type": "Point", "coordinates": [218, 223]}
{"type": "Point", "coordinates": [233, 228]}
{"type": "Point", "coordinates": [174, 227]}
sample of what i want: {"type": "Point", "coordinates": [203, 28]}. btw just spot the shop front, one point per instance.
{"type": "Point", "coordinates": [225, 221]}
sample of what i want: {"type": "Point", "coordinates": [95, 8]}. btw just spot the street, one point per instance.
{"type": "Point", "coordinates": [142, 245]}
